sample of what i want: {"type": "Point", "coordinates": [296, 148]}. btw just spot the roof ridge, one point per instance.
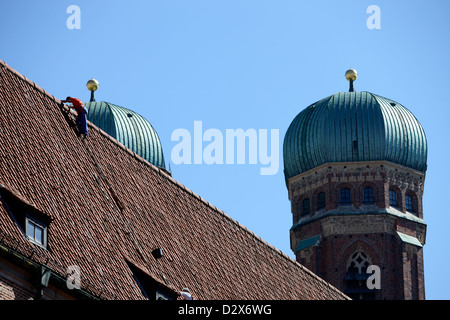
{"type": "Point", "coordinates": [5, 66]}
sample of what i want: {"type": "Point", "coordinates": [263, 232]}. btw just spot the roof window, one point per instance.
{"type": "Point", "coordinates": [36, 231]}
{"type": "Point", "coordinates": [32, 222]}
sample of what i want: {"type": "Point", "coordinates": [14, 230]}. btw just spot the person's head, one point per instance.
{"type": "Point", "coordinates": [186, 290]}
{"type": "Point", "coordinates": [68, 98]}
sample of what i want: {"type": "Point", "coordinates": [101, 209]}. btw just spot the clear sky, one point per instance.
{"type": "Point", "coordinates": [249, 64]}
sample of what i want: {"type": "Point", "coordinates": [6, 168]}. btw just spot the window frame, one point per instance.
{"type": "Point", "coordinates": [393, 196]}
{"type": "Point", "coordinates": [321, 202]}
{"type": "Point", "coordinates": [306, 207]}
{"type": "Point", "coordinates": [345, 199]}
{"type": "Point", "coordinates": [36, 224]}
{"type": "Point", "coordinates": [368, 197]}
{"type": "Point", "coordinates": [409, 204]}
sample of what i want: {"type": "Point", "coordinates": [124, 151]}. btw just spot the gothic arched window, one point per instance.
{"type": "Point", "coordinates": [358, 262]}
{"type": "Point", "coordinates": [393, 198]}
{"type": "Point", "coordinates": [409, 203]}
{"type": "Point", "coordinates": [356, 277]}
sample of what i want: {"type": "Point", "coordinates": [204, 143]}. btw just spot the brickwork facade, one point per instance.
{"type": "Point", "coordinates": [367, 217]}
{"type": "Point", "coordinates": [11, 290]}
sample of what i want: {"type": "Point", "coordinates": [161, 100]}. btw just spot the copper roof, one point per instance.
{"type": "Point", "coordinates": [350, 127]}
{"type": "Point", "coordinates": [129, 128]}
{"type": "Point", "coordinates": [110, 208]}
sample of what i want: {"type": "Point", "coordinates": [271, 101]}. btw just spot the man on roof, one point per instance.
{"type": "Point", "coordinates": [81, 114]}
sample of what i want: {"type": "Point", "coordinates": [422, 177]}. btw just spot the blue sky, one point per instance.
{"type": "Point", "coordinates": [252, 64]}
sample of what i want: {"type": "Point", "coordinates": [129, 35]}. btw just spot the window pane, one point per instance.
{"type": "Point", "coordinates": [30, 229]}
{"type": "Point", "coordinates": [345, 195]}
{"type": "Point", "coordinates": [368, 195]}
{"type": "Point", "coordinates": [408, 203]}
{"type": "Point", "coordinates": [305, 206]}
{"type": "Point", "coordinates": [392, 198]}
{"type": "Point", "coordinates": [321, 200]}
{"type": "Point", "coordinates": [39, 234]}
{"type": "Point", "coordinates": [35, 231]}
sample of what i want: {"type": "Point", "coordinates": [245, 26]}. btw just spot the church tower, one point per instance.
{"type": "Point", "coordinates": [355, 165]}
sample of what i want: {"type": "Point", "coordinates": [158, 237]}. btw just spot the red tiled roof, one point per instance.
{"type": "Point", "coordinates": [110, 207]}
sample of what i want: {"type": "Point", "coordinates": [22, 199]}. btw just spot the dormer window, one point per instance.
{"type": "Point", "coordinates": [36, 231]}
{"type": "Point", "coordinates": [150, 287]}
{"type": "Point", "coordinates": [32, 222]}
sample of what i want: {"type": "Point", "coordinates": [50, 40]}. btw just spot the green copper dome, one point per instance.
{"type": "Point", "coordinates": [129, 128]}
{"type": "Point", "coordinates": [354, 126]}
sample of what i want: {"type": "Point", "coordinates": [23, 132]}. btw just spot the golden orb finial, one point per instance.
{"type": "Point", "coordinates": [92, 85]}
{"type": "Point", "coordinates": [351, 74]}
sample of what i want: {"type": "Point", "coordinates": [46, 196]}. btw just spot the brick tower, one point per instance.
{"type": "Point", "coordinates": [355, 168]}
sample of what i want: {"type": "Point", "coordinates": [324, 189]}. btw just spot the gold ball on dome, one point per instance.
{"type": "Point", "coordinates": [351, 74]}
{"type": "Point", "coordinates": [92, 85]}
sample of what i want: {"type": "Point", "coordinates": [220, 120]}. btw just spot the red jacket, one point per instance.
{"type": "Point", "coordinates": [77, 104]}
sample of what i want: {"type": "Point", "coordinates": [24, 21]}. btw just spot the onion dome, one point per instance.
{"type": "Point", "coordinates": [129, 128]}
{"type": "Point", "coordinates": [354, 126]}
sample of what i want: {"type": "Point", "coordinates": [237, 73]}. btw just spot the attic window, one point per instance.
{"type": "Point", "coordinates": [32, 222]}
{"type": "Point", "coordinates": [36, 231]}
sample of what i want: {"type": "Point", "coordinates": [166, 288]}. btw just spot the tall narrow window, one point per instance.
{"type": "Point", "coordinates": [409, 203]}
{"type": "Point", "coordinates": [345, 196]}
{"type": "Point", "coordinates": [305, 205]}
{"type": "Point", "coordinates": [393, 198]}
{"type": "Point", "coordinates": [321, 200]}
{"type": "Point", "coordinates": [356, 277]}
{"type": "Point", "coordinates": [368, 195]}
